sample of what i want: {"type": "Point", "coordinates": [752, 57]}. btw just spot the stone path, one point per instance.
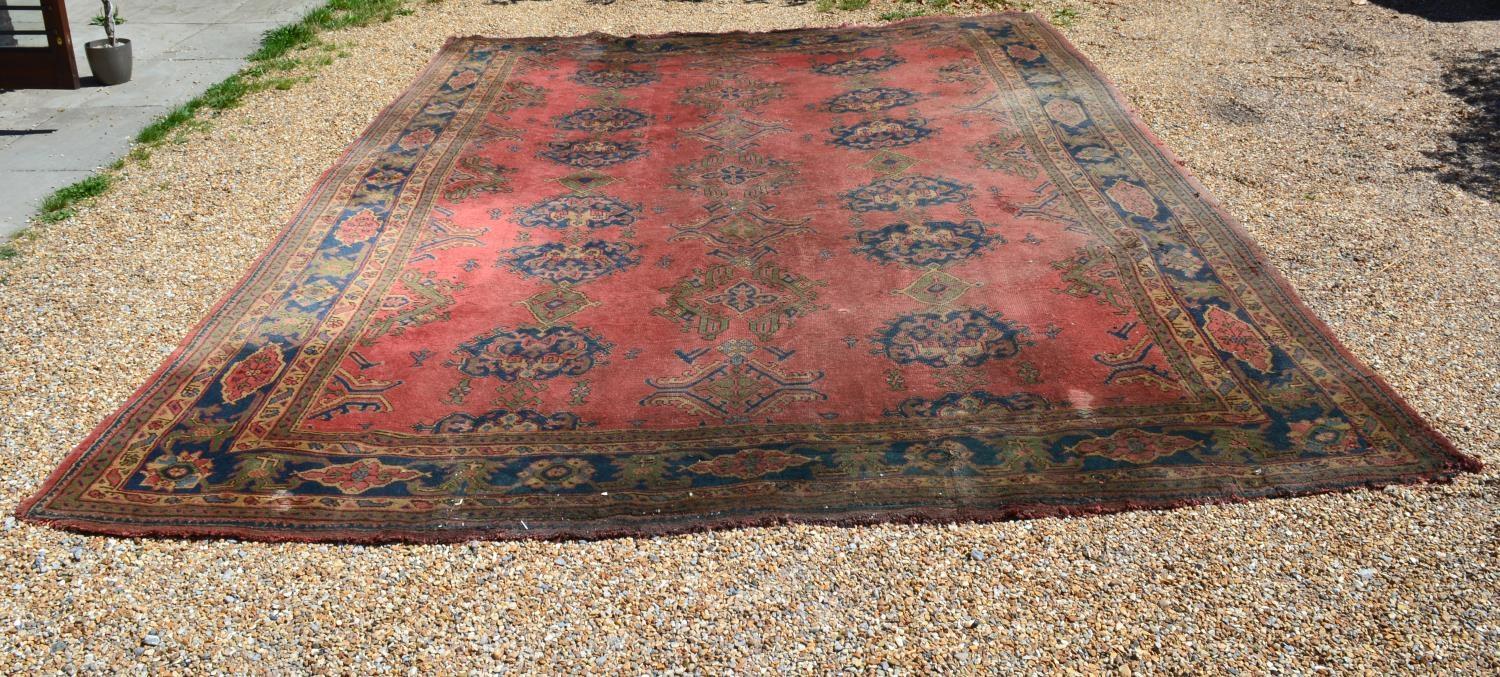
{"type": "Point", "coordinates": [51, 138]}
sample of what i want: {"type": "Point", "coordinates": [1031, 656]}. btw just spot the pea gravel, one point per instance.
{"type": "Point", "coordinates": [1313, 120]}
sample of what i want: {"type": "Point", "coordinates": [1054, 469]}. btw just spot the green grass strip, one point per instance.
{"type": "Point", "coordinates": [87, 188]}
{"type": "Point", "coordinates": [275, 54]}
{"type": "Point", "coordinates": [58, 205]}
{"type": "Point", "coordinates": [843, 5]}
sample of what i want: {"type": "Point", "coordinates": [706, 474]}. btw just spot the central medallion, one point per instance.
{"type": "Point", "coordinates": [767, 296]}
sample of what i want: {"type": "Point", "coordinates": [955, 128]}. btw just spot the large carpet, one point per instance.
{"type": "Point", "coordinates": [596, 286]}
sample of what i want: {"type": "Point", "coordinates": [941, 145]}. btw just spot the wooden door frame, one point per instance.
{"type": "Point", "coordinates": [50, 67]}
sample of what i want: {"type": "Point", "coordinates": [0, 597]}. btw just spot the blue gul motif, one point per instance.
{"type": "Point", "coordinates": [571, 263]}
{"type": "Point", "coordinates": [881, 133]}
{"type": "Point", "coordinates": [905, 192]}
{"type": "Point", "coordinates": [592, 153]}
{"type": "Point", "coordinates": [957, 338]}
{"type": "Point", "coordinates": [579, 211]}
{"type": "Point", "coordinates": [859, 65]}
{"type": "Point", "coordinates": [531, 353]}
{"type": "Point", "coordinates": [870, 100]}
{"type": "Point", "coordinates": [926, 243]}
{"type": "Point", "coordinates": [602, 120]}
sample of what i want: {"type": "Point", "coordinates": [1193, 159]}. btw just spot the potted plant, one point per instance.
{"type": "Point", "coordinates": [109, 58]}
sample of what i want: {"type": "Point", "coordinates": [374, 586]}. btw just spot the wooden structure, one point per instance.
{"type": "Point", "coordinates": [36, 50]}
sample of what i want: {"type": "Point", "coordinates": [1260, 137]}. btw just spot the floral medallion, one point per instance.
{"type": "Point", "coordinates": [616, 75]}
{"type": "Point", "coordinates": [967, 338]}
{"type": "Point", "coordinates": [532, 353]}
{"type": "Point", "coordinates": [557, 473]}
{"type": "Point", "coordinates": [859, 65]}
{"type": "Point", "coordinates": [552, 474]}
{"type": "Point", "coordinates": [572, 263]}
{"type": "Point", "coordinates": [360, 476]}
{"type": "Point", "coordinates": [602, 120]}
{"type": "Point", "coordinates": [906, 192]}
{"type": "Point", "coordinates": [947, 456]}
{"type": "Point", "coordinates": [182, 471]}
{"type": "Point", "coordinates": [502, 421]}
{"type": "Point", "coordinates": [881, 133]}
{"type": "Point", "coordinates": [1133, 445]}
{"type": "Point", "coordinates": [870, 100]}
{"type": "Point", "coordinates": [971, 403]}
{"type": "Point", "coordinates": [358, 227]}
{"type": "Point", "coordinates": [1234, 336]}
{"type": "Point", "coordinates": [592, 153]}
{"type": "Point", "coordinates": [252, 373]}
{"type": "Point", "coordinates": [1324, 435]}
{"type": "Point", "coordinates": [579, 211]}
{"type": "Point", "coordinates": [927, 243]}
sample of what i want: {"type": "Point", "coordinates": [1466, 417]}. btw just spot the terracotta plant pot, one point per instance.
{"type": "Point", "coordinates": [110, 63]}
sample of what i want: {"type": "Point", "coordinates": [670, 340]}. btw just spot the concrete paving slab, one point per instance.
{"type": "Point", "coordinates": [148, 42]}
{"type": "Point", "coordinates": [10, 136]}
{"type": "Point", "coordinates": [213, 40]}
{"type": "Point", "coordinates": [86, 138]}
{"type": "Point", "coordinates": [16, 185]}
{"type": "Point", "coordinates": [24, 119]}
{"type": "Point", "coordinates": [188, 11]}
{"type": "Point", "coordinates": [190, 76]}
{"type": "Point", "coordinates": [181, 47]}
{"type": "Point", "coordinates": [260, 12]}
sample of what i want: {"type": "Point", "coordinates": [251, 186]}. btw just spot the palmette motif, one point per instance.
{"type": "Point", "coordinates": [591, 286]}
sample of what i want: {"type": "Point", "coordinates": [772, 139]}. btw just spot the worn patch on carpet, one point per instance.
{"type": "Point", "coordinates": [582, 287]}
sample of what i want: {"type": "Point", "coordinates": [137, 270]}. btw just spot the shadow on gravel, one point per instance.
{"type": "Point", "coordinates": [1446, 10]}
{"type": "Point", "coordinates": [1472, 162]}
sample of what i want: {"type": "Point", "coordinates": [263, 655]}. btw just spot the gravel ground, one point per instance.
{"type": "Point", "coordinates": [1315, 121]}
